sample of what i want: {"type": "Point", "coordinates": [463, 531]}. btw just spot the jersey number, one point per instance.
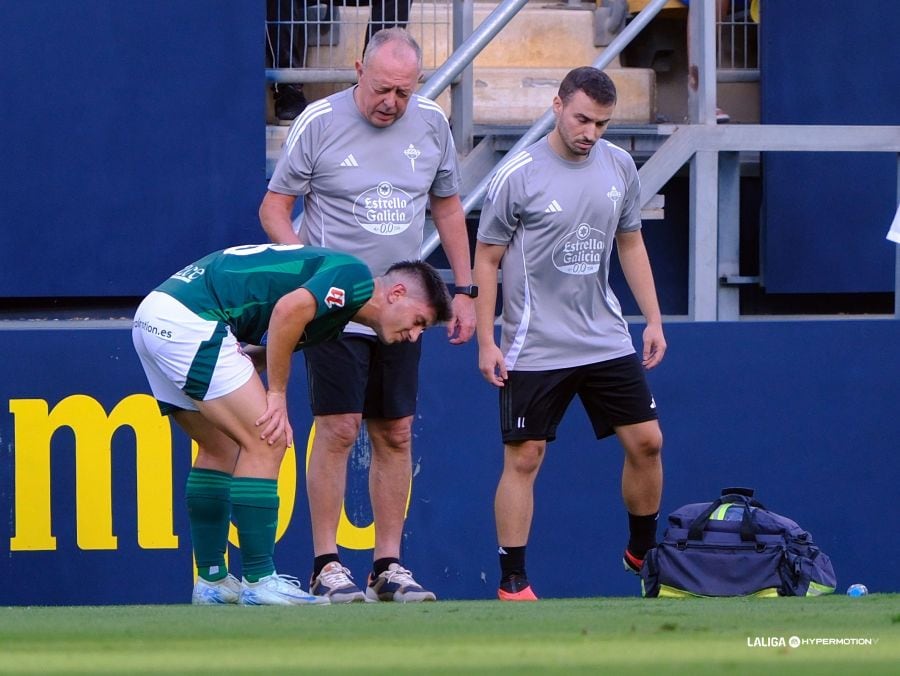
{"type": "Point", "coordinates": [250, 249]}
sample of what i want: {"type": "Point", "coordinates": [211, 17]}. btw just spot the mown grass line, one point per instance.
{"type": "Point", "coordinates": [561, 636]}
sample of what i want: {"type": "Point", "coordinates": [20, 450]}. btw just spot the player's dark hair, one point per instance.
{"type": "Point", "coordinates": [386, 35]}
{"type": "Point", "coordinates": [594, 82]}
{"type": "Point", "coordinates": [429, 279]}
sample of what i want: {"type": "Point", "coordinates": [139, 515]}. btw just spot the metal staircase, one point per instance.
{"type": "Point", "coordinates": [712, 154]}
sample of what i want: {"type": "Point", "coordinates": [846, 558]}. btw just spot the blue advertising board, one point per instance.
{"type": "Point", "coordinates": [92, 477]}
{"type": "Point", "coordinates": [133, 140]}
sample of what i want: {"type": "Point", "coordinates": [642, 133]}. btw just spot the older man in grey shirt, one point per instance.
{"type": "Point", "coordinates": [367, 162]}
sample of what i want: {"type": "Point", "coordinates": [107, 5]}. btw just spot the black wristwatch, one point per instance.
{"type": "Point", "coordinates": [471, 290]}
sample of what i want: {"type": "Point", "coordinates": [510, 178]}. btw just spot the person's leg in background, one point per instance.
{"type": "Point", "coordinates": [723, 9]}
{"type": "Point", "coordinates": [286, 48]}
{"type": "Point", "coordinates": [387, 14]}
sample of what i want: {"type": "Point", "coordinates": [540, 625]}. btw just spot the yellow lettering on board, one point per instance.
{"type": "Point", "coordinates": [34, 428]}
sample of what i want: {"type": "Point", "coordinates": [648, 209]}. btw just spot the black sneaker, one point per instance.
{"type": "Point", "coordinates": [289, 101]}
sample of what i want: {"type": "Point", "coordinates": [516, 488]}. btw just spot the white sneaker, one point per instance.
{"type": "Point", "coordinates": [335, 584]}
{"type": "Point", "coordinates": [226, 590]}
{"type": "Point", "coordinates": [277, 590]}
{"type": "Point", "coordinates": [396, 584]}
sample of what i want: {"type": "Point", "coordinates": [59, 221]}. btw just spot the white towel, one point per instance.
{"type": "Point", "coordinates": [894, 232]}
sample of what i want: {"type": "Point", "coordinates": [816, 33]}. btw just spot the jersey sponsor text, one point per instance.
{"type": "Point", "coordinates": [189, 273]}
{"type": "Point", "coordinates": [579, 252]}
{"type": "Point", "coordinates": [384, 210]}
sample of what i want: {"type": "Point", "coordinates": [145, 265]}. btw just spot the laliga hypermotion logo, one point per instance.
{"type": "Point", "coordinates": [335, 297]}
{"type": "Point", "coordinates": [579, 252]}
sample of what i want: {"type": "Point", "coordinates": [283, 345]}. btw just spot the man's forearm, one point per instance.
{"type": "Point", "coordinates": [275, 216]}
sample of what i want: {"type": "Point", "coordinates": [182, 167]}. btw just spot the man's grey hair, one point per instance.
{"type": "Point", "coordinates": [387, 35]}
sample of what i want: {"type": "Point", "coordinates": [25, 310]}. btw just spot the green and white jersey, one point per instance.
{"type": "Point", "coordinates": [240, 286]}
{"type": "Point", "coordinates": [558, 220]}
{"type": "Point", "coordinates": [365, 188]}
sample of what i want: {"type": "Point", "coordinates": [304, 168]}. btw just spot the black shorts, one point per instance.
{"type": "Point", "coordinates": [614, 393]}
{"type": "Point", "coordinates": [360, 374]}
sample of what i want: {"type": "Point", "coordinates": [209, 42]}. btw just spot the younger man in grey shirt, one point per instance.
{"type": "Point", "coordinates": [551, 216]}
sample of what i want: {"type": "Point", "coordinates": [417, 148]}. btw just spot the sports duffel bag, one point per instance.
{"type": "Point", "coordinates": [733, 546]}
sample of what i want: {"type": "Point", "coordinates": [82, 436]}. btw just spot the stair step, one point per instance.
{"type": "Point", "coordinates": [539, 36]}
{"type": "Point", "coordinates": [521, 95]}
{"type": "Point", "coordinates": [517, 73]}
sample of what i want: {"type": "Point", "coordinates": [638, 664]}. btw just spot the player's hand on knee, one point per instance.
{"type": "Point", "coordinates": [274, 423]}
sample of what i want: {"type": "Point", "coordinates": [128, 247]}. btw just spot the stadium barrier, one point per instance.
{"type": "Point", "coordinates": [92, 477]}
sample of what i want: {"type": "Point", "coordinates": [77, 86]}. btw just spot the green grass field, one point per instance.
{"type": "Point", "coordinates": [608, 635]}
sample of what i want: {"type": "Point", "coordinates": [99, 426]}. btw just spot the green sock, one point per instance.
{"type": "Point", "coordinates": [255, 508]}
{"type": "Point", "coordinates": [208, 497]}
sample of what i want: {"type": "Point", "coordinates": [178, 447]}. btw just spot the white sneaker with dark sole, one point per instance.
{"type": "Point", "coordinates": [335, 584]}
{"type": "Point", "coordinates": [397, 584]}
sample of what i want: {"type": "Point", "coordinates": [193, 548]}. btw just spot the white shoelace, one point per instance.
{"type": "Point", "coordinates": [288, 579]}
{"type": "Point", "coordinates": [401, 576]}
{"type": "Point", "coordinates": [337, 578]}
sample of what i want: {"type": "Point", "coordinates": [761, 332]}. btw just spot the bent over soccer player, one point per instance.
{"type": "Point", "coordinates": [188, 334]}
{"type": "Point", "coordinates": [552, 215]}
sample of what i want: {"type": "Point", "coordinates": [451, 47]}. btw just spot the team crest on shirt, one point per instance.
{"type": "Point", "coordinates": [335, 297]}
{"type": "Point", "coordinates": [384, 209]}
{"type": "Point", "coordinates": [614, 195]}
{"type": "Point", "coordinates": [579, 252]}
{"type": "Point", "coordinates": [412, 154]}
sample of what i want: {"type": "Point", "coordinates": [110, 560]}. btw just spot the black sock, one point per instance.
{"type": "Point", "coordinates": [512, 562]}
{"type": "Point", "coordinates": [381, 565]}
{"type": "Point", "coordinates": [642, 530]}
{"type": "Point", "coordinates": [321, 561]}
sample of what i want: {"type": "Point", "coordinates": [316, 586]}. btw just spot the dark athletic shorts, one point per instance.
{"type": "Point", "coordinates": [360, 374]}
{"type": "Point", "coordinates": [614, 393]}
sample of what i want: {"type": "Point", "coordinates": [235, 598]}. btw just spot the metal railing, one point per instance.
{"type": "Point", "coordinates": [737, 42]}
{"type": "Point", "coordinates": [710, 150]}
{"type": "Point", "coordinates": [539, 128]}
{"type": "Point", "coordinates": [319, 42]}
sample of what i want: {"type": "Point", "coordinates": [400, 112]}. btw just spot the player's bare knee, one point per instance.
{"type": "Point", "coordinates": [341, 431]}
{"type": "Point", "coordinates": [392, 435]}
{"type": "Point", "coordinates": [220, 455]}
{"type": "Point", "coordinates": [276, 452]}
{"type": "Point", "coordinates": [524, 458]}
{"type": "Point", "coordinates": [645, 448]}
